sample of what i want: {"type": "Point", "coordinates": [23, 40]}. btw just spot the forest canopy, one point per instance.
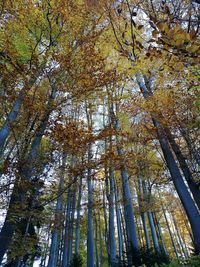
{"type": "Point", "coordinates": [100, 133]}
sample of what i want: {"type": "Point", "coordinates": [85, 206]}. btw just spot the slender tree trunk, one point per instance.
{"type": "Point", "coordinates": [119, 224]}
{"type": "Point", "coordinates": [6, 128]}
{"type": "Point", "coordinates": [178, 245]}
{"type": "Point", "coordinates": [105, 220]}
{"type": "Point", "coordinates": [185, 197]}
{"type": "Point", "coordinates": [71, 223]}
{"type": "Point", "coordinates": [187, 225]}
{"type": "Point", "coordinates": [19, 192]}
{"type": "Point", "coordinates": [8, 228]}
{"type": "Point", "coordinates": [90, 238]}
{"type": "Point", "coordinates": [185, 169]}
{"type": "Point", "coordinates": [143, 214]}
{"type": "Point", "coordinates": [96, 243]}
{"type": "Point", "coordinates": [181, 188]}
{"type": "Point", "coordinates": [100, 239]}
{"type": "Point", "coordinates": [139, 231]}
{"type": "Point", "coordinates": [146, 233]}
{"type": "Point", "coordinates": [170, 233]}
{"type": "Point", "coordinates": [125, 252]}
{"type": "Point", "coordinates": [66, 231]}
{"type": "Point", "coordinates": [111, 200]}
{"type": "Point", "coordinates": [160, 234]}
{"type": "Point", "coordinates": [128, 211]}
{"type": "Point", "coordinates": [150, 218]}
{"type": "Point", "coordinates": [131, 230]}
{"type": "Point", "coordinates": [77, 239]}
{"type": "Point", "coordinates": [191, 147]}
{"type": "Point", "coordinates": [90, 227]}
{"type": "Point", "coordinates": [179, 236]}
{"type": "Point", "coordinates": [55, 239]}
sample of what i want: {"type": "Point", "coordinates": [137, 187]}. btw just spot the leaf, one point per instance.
{"type": "Point", "coordinates": [163, 26]}
{"type": "Point", "coordinates": [155, 33]}
{"type": "Point", "coordinates": [193, 48]}
{"type": "Point", "coordinates": [179, 42]}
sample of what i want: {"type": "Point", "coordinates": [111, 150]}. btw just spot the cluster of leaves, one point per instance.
{"type": "Point", "coordinates": [193, 261]}
{"type": "Point", "coordinates": [150, 258]}
{"type": "Point", "coordinates": [76, 261]}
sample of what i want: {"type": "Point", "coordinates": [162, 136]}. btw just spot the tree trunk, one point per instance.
{"type": "Point", "coordinates": [160, 234]}
{"type": "Point", "coordinates": [19, 191]}
{"type": "Point", "coordinates": [66, 231]}
{"type": "Point", "coordinates": [90, 237]}
{"type": "Point", "coordinates": [77, 239]}
{"type": "Point", "coordinates": [55, 239]}
{"type": "Point", "coordinates": [111, 200]}
{"type": "Point", "coordinates": [184, 167]}
{"type": "Point", "coordinates": [5, 129]}
{"type": "Point", "coordinates": [150, 218]}
{"type": "Point", "coordinates": [143, 214]}
{"type": "Point", "coordinates": [181, 188]}
{"type": "Point", "coordinates": [131, 231]}
{"type": "Point", "coordinates": [119, 225]}
{"type": "Point", "coordinates": [170, 233]}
